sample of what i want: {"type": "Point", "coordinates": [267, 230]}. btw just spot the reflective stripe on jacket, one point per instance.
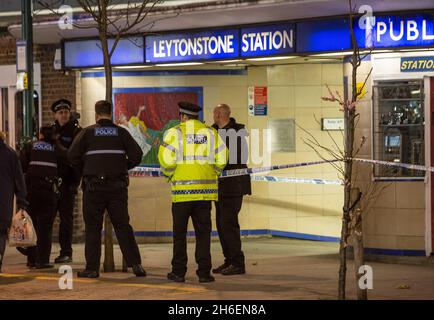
{"type": "Point", "coordinates": [192, 156]}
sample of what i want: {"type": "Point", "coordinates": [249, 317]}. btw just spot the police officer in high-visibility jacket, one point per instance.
{"type": "Point", "coordinates": [192, 156]}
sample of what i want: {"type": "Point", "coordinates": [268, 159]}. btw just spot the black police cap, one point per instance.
{"type": "Point", "coordinates": [189, 108]}
{"type": "Point", "coordinates": [60, 105]}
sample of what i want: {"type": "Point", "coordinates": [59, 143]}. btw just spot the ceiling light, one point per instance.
{"type": "Point", "coordinates": [272, 58]}
{"type": "Point", "coordinates": [182, 64]}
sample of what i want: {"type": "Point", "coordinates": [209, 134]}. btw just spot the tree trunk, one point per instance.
{"type": "Point", "coordinates": [109, 263]}
{"type": "Point", "coordinates": [357, 241]}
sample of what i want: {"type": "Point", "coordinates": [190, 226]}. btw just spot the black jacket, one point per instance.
{"type": "Point", "coordinates": [40, 161]}
{"type": "Point", "coordinates": [104, 149]}
{"type": "Point", "coordinates": [66, 135]}
{"type": "Point", "coordinates": [11, 183]}
{"type": "Point", "coordinates": [240, 185]}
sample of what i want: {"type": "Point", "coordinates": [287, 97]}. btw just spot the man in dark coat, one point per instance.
{"type": "Point", "coordinates": [231, 191]}
{"type": "Point", "coordinates": [11, 183]}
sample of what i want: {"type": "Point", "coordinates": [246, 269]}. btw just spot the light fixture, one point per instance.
{"type": "Point", "coordinates": [226, 61]}
{"type": "Point", "coordinates": [182, 64]}
{"type": "Point", "coordinates": [132, 67]}
{"type": "Point", "coordinates": [332, 54]}
{"type": "Point", "coordinates": [272, 58]}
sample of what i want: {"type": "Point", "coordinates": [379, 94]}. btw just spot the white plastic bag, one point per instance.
{"type": "Point", "coordinates": [22, 233]}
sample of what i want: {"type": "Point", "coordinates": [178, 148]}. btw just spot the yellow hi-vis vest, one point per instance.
{"type": "Point", "coordinates": [192, 156]}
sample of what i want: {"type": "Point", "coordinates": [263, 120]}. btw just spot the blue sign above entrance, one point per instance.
{"type": "Point", "coordinates": [298, 38]}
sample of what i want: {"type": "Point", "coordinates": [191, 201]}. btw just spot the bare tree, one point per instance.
{"type": "Point", "coordinates": [358, 197]}
{"type": "Point", "coordinates": [112, 23]}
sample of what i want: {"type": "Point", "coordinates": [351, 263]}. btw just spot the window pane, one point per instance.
{"type": "Point", "coordinates": [399, 127]}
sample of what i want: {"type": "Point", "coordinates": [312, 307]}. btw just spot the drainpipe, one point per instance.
{"type": "Point", "coordinates": [27, 35]}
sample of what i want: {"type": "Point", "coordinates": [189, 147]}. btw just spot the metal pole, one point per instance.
{"type": "Point", "coordinates": [27, 35]}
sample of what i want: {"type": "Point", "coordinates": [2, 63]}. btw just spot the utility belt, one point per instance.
{"type": "Point", "coordinates": [44, 183]}
{"type": "Point", "coordinates": [104, 182]}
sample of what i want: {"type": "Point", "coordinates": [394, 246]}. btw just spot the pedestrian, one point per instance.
{"type": "Point", "coordinates": [39, 160]}
{"type": "Point", "coordinates": [231, 191]}
{"type": "Point", "coordinates": [11, 184]}
{"type": "Point", "coordinates": [192, 156]}
{"type": "Point", "coordinates": [104, 152]}
{"type": "Point", "coordinates": [67, 128]}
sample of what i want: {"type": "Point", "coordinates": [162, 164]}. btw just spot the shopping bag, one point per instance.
{"type": "Point", "coordinates": [22, 233]}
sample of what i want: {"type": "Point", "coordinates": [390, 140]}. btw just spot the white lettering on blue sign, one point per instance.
{"type": "Point", "coordinates": [42, 146]}
{"type": "Point", "coordinates": [263, 41]}
{"type": "Point", "coordinates": [195, 46]}
{"type": "Point", "coordinates": [267, 40]}
{"type": "Point", "coordinates": [106, 132]}
{"type": "Point", "coordinates": [398, 31]}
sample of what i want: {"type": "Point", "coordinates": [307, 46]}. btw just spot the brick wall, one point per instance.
{"type": "Point", "coordinates": [54, 85]}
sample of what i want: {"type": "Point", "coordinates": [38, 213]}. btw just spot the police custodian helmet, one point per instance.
{"type": "Point", "coordinates": [60, 105]}
{"type": "Point", "coordinates": [189, 108]}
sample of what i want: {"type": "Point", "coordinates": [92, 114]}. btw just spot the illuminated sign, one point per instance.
{"type": "Point", "coordinates": [417, 64]}
{"type": "Point", "coordinates": [397, 31]}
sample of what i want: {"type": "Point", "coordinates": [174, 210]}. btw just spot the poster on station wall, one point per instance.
{"type": "Point", "coordinates": [258, 101]}
{"type": "Point", "coordinates": [148, 112]}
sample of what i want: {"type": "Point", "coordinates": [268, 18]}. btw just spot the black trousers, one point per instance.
{"type": "Point", "coordinates": [66, 211]}
{"type": "Point", "coordinates": [200, 213]}
{"type": "Point", "coordinates": [115, 201]}
{"type": "Point", "coordinates": [3, 238]}
{"type": "Point", "coordinates": [42, 210]}
{"type": "Point", "coordinates": [228, 227]}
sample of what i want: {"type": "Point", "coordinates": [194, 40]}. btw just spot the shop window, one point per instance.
{"type": "Point", "coordinates": [398, 127]}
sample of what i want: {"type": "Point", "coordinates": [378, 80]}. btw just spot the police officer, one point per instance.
{"type": "Point", "coordinates": [104, 153]}
{"type": "Point", "coordinates": [231, 191]}
{"type": "Point", "coordinates": [40, 163]}
{"type": "Point", "coordinates": [192, 156]}
{"type": "Point", "coordinates": [66, 128]}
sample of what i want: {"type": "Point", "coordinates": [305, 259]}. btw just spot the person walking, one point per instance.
{"type": "Point", "coordinates": [11, 184]}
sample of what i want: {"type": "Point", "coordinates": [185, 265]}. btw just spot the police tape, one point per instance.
{"type": "Point", "coordinates": [296, 180]}
{"type": "Point", "coordinates": [396, 164]}
{"type": "Point", "coordinates": [155, 172]}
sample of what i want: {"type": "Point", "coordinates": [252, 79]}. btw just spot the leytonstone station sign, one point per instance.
{"type": "Point", "coordinates": [243, 42]}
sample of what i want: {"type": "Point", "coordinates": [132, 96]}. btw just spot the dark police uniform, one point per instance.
{"type": "Point", "coordinates": [230, 199]}
{"type": "Point", "coordinates": [40, 163]}
{"type": "Point", "coordinates": [70, 182]}
{"type": "Point", "coordinates": [104, 153]}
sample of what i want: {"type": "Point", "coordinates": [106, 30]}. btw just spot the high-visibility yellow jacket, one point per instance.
{"type": "Point", "coordinates": [192, 156]}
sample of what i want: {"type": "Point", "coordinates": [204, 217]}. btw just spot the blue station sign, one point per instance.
{"type": "Point", "coordinates": [304, 37]}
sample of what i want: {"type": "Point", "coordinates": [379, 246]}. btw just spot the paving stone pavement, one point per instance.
{"type": "Point", "coordinates": [277, 268]}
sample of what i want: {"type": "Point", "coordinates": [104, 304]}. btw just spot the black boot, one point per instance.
{"type": "Point", "coordinates": [172, 276]}
{"type": "Point", "coordinates": [207, 278]}
{"type": "Point", "coordinates": [63, 259]}
{"type": "Point", "coordinates": [233, 270]}
{"type": "Point", "coordinates": [139, 271]}
{"type": "Point", "coordinates": [221, 268]}
{"type": "Point", "coordinates": [88, 274]}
